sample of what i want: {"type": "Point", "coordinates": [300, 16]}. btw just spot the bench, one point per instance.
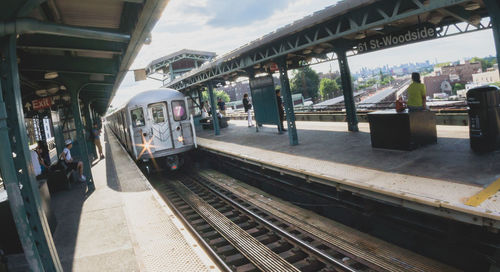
{"type": "Point", "coordinates": [59, 177]}
{"type": "Point", "coordinates": [402, 131]}
{"type": "Point", "coordinates": [206, 123]}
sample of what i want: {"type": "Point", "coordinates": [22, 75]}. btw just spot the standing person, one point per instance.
{"type": "Point", "coordinates": [43, 155]}
{"type": "Point", "coordinates": [281, 111]}
{"type": "Point", "coordinates": [96, 132]}
{"type": "Point", "coordinates": [248, 109]}
{"type": "Point", "coordinates": [204, 111]}
{"type": "Point", "coordinates": [222, 106]}
{"type": "Point", "coordinates": [416, 94]}
{"type": "Point", "coordinates": [72, 164]}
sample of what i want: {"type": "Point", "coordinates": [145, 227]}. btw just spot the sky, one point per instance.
{"type": "Point", "coordinates": [221, 26]}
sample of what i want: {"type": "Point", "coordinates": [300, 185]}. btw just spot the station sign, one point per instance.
{"type": "Point", "coordinates": [260, 82]}
{"type": "Point", "coordinates": [42, 103]}
{"type": "Point", "coordinates": [421, 33]}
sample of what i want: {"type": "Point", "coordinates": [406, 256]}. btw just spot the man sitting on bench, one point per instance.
{"type": "Point", "coordinates": [72, 164]}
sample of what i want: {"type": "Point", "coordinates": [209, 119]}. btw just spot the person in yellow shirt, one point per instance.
{"type": "Point", "coordinates": [416, 94]}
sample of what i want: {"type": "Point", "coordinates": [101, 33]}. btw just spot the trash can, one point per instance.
{"type": "Point", "coordinates": [484, 118]}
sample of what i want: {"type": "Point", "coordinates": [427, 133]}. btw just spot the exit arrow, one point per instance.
{"type": "Point", "coordinates": [28, 106]}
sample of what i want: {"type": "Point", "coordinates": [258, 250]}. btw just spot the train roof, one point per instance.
{"type": "Point", "coordinates": [152, 96]}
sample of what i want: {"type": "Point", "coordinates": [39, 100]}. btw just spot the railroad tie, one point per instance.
{"type": "Point", "coordinates": [259, 254]}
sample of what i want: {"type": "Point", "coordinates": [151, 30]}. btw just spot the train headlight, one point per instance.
{"type": "Point", "coordinates": [180, 139]}
{"type": "Point", "coordinates": [147, 145]}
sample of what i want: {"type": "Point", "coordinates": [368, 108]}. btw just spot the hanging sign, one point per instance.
{"type": "Point", "coordinates": [408, 36]}
{"type": "Point", "coordinates": [42, 103]}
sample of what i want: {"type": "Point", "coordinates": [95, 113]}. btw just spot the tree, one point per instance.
{"type": "Point", "coordinates": [306, 82]}
{"type": "Point", "coordinates": [485, 62]}
{"type": "Point", "coordinates": [217, 94]}
{"type": "Point", "coordinates": [328, 88]}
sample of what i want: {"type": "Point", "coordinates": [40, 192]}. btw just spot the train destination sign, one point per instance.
{"type": "Point", "coordinates": [396, 39]}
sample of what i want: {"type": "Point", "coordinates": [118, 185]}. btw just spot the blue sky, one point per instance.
{"type": "Point", "coordinates": [221, 26]}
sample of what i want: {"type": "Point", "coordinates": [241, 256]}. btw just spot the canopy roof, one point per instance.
{"type": "Point", "coordinates": [341, 26]}
{"type": "Point", "coordinates": [91, 42]}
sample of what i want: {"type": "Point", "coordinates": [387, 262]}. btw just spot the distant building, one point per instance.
{"type": "Point", "coordinates": [486, 77]}
{"type": "Point", "coordinates": [433, 84]}
{"type": "Point", "coordinates": [463, 71]}
{"type": "Point", "coordinates": [446, 76]}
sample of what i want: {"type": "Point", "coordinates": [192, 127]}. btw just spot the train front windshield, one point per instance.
{"type": "Point", "coordinates": [179, 110]}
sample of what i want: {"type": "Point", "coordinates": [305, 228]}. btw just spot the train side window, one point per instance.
{"type": "Point", "coordinates": [158, 114]}
{"type": "Point", "coordinates": [137, 117]}
{"type": "Point", "coordinates": [179, 109]}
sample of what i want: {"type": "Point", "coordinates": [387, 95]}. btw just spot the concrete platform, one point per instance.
{"type": "Point", "coordinates": [123, 225]}
{"type": "Point", "coordinates": [437, 179]}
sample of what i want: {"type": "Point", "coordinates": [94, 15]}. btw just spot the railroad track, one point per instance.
{"type": "Point", "coordinates": [243, 237]}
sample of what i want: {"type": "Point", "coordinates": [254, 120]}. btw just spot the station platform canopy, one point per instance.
{"type": "Point", "coordinates": [352, 27]}
{"type": "Point", "coordinates": [179, 62]}
{"type": "Point", "coordinates": [93, 42]}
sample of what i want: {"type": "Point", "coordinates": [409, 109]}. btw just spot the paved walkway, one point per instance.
{"type": "Point", "coordinates": [123, 225]}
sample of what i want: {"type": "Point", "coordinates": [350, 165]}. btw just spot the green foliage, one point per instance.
{"type": "Point", "coordinates": [328, 88]}
{"type": "Point", "coordinates": [485, 62]}
{"type": "Point", "coordinates": [443, 64]}
{"type": "Point", "coordinates": [217, 94]}
{"type": "Point", "coordinates": [458, 86]}
{"type": "Point", "coordinates": [306, 82]}
{"type": "Point", "coordinates": [496, 84]}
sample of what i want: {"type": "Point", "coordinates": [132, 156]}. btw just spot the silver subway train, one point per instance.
{"type": "Point", "coordinates": [155, 127]}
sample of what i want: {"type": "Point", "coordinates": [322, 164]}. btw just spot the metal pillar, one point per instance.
{"type": "Point", "coordinates": [17, 171]}
{"type": "Point", "coordinates": [493, 7]}
{"type": "Point", "coordinates": [171, 72]}
{"type": "Point", "coordinates": [350, 107]}
{"type": "Point", "coordinates": [90, 126]}
{"type": "Point", "coordinates": [213, 107]}
{"type": "Point", "coordinates": [81, 138]}
{"type": "Point", "coordinates": [287, 97]}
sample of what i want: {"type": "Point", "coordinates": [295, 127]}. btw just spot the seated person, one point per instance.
{"type": "Point", "coordinates": [72, 164]}
{"type": "Point", "coordinates": [416, 94]}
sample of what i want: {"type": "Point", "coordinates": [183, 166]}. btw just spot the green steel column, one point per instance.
{"type": "Point", "coordinates": [171, 70]}
{"type": "Point", "coordinates": [58, 135]}
{"type": "Point", "coordinates": [350, 107]}
{"type": "Point", "coordinates": [80, 136]}
{"type": "Point", "coordinates": [36, 239]}
{"type": "Point", "coordinates": [90, 125]}
{"type": "Point", "coordinates": [213, 107]}
{"type": "Point", "coordinates": [287, 97]}
{"type": "Point", "coordinates": [493, 7]}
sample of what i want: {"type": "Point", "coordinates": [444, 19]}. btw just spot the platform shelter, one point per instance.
{"type": "Point", "coordinates": [61, 63]}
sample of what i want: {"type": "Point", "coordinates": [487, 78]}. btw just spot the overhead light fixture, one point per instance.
{"type": "Point", "coordinates": [51, 75]}
{"type": "Point", "coordinates": [360, 36]}
{"type": "Point", "coordinates": [307, 51]}
{"type": "Point", "coordinates": [62, 87]}
{"type": "Point", "coordinates": [53, 90]}
{"type": "Point", "coordinates": [318, 50]}
{"type": "Point", "coordinates": [378, 28]}
{"type": "Point", "coordinates": [41, 92]}
{"type": "Point", "coordinates": [435, 18]}
{"type": "Point", "coordinates": [472, 6]}
{"type": "Point", "coordinates": [475, 19]}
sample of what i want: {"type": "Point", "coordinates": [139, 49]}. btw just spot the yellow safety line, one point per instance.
{"type": "Point", "coordinates": [478, 198]}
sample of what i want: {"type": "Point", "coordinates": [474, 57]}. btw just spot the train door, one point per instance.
{"type": "Point", "coordinates": [160, 126]}
{"type": "Point", "coordinates": [138, 129]}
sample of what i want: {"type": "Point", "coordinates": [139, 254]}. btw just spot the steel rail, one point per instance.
{"type": "Point", "coordinates": [276, 228]}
